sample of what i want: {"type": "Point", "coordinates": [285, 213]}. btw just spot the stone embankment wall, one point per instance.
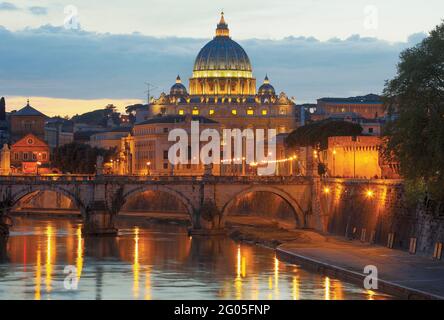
{"type": "Point", "coordinates": [376, 211]}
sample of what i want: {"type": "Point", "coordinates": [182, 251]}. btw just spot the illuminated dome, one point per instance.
{"type": "Point", "coordinates": [222, 59]}
{"type": "Point", "coordinates": [178, 89]}
{"type": "Point", "coordinates": [266, 89]}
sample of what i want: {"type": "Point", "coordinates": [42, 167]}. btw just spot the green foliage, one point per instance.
{"type": "Point", "coordinates": [316, 134]}
{"type": "Point", "coordinates": [98, 117]}
{"type": "Point", "coordinates": [416, 137]}
{"type": "Point", "coordinates": [79, 158]}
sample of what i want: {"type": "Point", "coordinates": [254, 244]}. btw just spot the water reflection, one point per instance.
{"type": "Point", "coordinates": [152, 262]}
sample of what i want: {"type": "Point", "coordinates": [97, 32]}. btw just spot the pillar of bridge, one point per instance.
{"type": "Point", "coordinates": [207, 218]}
{"type": "Point", "coordinates": [5, 224]}
{"type": "Point", "coordinates": [99, 221]}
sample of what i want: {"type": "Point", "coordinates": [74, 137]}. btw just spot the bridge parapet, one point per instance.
{"type": "Point", "coordinates": [91, 179]}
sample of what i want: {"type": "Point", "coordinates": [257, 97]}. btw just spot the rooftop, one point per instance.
{"type": "Point", "coordinates": [370, 98]}
{"type": "Point", "coordinates": [176, 119]}
{"type": "Point", "coordinates": [28, 111]}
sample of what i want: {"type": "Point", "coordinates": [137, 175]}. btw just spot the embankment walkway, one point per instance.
{"type": "Point", "coordinates": [400, 273]}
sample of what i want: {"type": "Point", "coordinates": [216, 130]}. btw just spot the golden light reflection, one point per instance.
{"type": "Point", "coordinates": [276, 277]}
{"type": "Point", "coordinates": [50, 255]}
{"type": "Point", "coordinates": [79, 258]}
{"type": "Point", "coordinates": [136, 265]}
{"type": "Point", "coordinates": [38, 275]}
{"type": "Point", "coordinates": [238, 280]}
{"type": "Point", "coordinates": [327, 288]}
{"type": "Point", "coordinates": [296, 290]}
{"type": "Point", "coordinates": [370, 295]}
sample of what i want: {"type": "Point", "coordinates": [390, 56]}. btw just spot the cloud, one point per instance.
{"type": "Point", "coordinates": [38, 11]}
{"type": "Point", "coordinates": [55, 62]}
{"type": "Point", "coordinates": [7, 6]}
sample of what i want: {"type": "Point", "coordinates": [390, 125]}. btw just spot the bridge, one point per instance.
{"type": "Point", "coordinates": [208, 199]}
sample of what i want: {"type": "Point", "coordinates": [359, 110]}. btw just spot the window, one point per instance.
{"type": "Point", "coordinates": [165, 130]}
{"type": "Point", "coordinates": [250, 112]}
{"type": "Point", "coordinates": [195, 112]}
{"type": "Point", "coordinates": [16, 156]}
{"type": "Point", "coordinates": [211, 112]}
{"type": "Point", "coordinates": [370, 130]}
{"type": "Point", "coordinates": [165, 154]}
{"type": "Point", "coordinates": [181, 112]}
{"type": "Point", "coordinates": [34, 156]}
{"type": "Point", "coordinates": [165, 165]}
{"type": "Point", "coordinates": [25, 156]}
{"type": "Point", "coordinates": [264, 112]}
{"type": "Point", "coordinates": [234, 112]}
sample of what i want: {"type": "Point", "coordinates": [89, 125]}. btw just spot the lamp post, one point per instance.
{"type": "Point", "coordinates": [334, 162]}
{"type": "Point", "coordinates": [148, 167]}
{"type": "Point", "coordinates": [38, 165]}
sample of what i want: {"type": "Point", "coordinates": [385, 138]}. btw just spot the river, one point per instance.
{"type": "Point", "coordinates": [49, 259]}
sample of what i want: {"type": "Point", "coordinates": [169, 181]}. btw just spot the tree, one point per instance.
{"type": "Point", "coordinates": [316, 134]}
{"type": "Point", "coordinates": [79, 158]}
{"type": "Point", "coordinates": [416, 137]}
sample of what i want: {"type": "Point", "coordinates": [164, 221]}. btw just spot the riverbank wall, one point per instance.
{"type": "Point", "coordinates": [376, 211]}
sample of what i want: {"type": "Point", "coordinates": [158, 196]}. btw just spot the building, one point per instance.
{"type": "Point", "coordinates": [109, 139]}
{"type": "Point", "coordinates": [27, 120]}
{"type": "Point", "coordinates": [368, 107]}
{"type": "Point", "coordinates": [58, 132]}
{"type": "Point", "coordinates": [371, 127]}
{"type": "Point", "coordinates": [223, 88]}
{"type": "Point", "coordinates": [358, 157]}
{"type": "Point", "coordinates": [29, 154]}
{"type": "Point", "coordinates": [148, 147]}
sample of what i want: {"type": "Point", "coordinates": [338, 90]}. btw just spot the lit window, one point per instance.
{"type": "Point", "coordinates": [181, 112]}
{"type": "Point", "coordinates": [250, 112]}
{"type": "Point", "coordinates": [234, 112]}
{"type": "Point", "coordinates": [195, 112]}
{"type": "Point", "coordinates": [264, 112]}
{"type": "Point", "coordinates": [211, 112]}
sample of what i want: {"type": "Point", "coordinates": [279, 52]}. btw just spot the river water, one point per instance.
{"type": "Point", "coordinates": [49, 259]}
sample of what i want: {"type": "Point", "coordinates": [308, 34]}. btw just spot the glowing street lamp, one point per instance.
{"type": "Point", "coordinates": [326, 190]}
{"type": "Point", "coordinates": [369, 193]}
{"type": "Point", "coordinates": [148, 167]}
{"type": "Point", "coordinates": [38, 165]}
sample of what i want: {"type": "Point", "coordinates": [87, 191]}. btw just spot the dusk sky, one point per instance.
{"type": "Point", "coordinates": [309, 48]}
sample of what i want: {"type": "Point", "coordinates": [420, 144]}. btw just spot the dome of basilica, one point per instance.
{"type": "Point", "coordinates": [178, 89]}
{"type": "Point", "coordinates": [222, 54]}
{"type": "Point", "coordinates": [266, 89]}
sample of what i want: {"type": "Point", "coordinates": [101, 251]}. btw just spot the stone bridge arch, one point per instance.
{"type": "Point", "coordinates": [134, 190]}
{"type": "Point", "coordinates": [291, 201]}
{"type": "Point", "coordinates": [17, 195]}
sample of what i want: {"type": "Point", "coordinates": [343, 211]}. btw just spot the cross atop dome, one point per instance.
{"type": "Point", "coordinates": [178, 80]}
{"type": "Point", "coordinates": [222, 27]}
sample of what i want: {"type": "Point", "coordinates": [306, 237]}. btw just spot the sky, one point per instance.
{"type": "Point", "coordinates": [72, 56]}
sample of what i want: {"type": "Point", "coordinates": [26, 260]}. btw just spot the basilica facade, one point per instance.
{"type": "Point", "coordinates": [223, 90]}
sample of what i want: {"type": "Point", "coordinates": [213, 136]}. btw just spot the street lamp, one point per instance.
{"type": "Point", "coordinates": [38, 165]}
{"type": "Point", "coordinates": [148, 165]}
